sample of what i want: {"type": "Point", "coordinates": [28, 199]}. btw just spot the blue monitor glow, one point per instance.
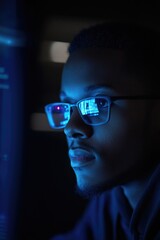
{"type": "Point", "coordinates": [11, 119]}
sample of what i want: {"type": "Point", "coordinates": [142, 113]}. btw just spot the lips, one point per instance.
{"type": "Point", "coordinates": [80, 157]}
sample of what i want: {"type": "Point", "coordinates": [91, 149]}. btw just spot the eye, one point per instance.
{"type": "Point", "coordinates": [101, 102]}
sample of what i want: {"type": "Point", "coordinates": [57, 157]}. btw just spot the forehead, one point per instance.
{"type": "Point", "coordinates": [87, 69]}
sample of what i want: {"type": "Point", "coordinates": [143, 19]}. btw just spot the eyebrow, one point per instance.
{"type": "Point", "coordinates": [90, 89]}
{"type": "Point", "coordinates": [95, 87]}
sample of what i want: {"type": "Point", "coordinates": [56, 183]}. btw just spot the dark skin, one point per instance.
{"type": "Point", "coordinates": [118, 151]}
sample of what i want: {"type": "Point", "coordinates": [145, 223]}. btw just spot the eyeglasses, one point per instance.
{"type": "Point", "coordinates": [93, 110]}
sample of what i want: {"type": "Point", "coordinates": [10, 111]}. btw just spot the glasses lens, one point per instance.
{"type": "Point", "coordinates": [94, 111]}
{"type": "Point", "coordinates": [58, 114]}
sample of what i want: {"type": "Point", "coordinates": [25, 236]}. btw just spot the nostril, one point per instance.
{"type": "Point", "coordinates": [76, 128]}
{"type": "Point", "coordinates": [77, 135]}
{"type": "Point", "coordinates": [74, 133]}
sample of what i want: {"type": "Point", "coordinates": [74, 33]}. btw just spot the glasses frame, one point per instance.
{"type": "Point", "coordinates": [110, 100]}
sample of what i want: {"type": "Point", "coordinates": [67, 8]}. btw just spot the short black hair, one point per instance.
{"type": "Point", "coordinates": [114, 35]}
{"type": "Point", "coordinates": [140, 43]}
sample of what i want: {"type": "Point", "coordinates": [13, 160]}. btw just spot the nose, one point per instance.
{"type": "Point", "coordinates": [76, 127]}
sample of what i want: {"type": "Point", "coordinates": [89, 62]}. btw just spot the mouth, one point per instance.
{"type": "Point", "coordinates": [80, 157]}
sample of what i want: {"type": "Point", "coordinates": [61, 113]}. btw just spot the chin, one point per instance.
{"type": "Point", "coordinates": [88, 192]}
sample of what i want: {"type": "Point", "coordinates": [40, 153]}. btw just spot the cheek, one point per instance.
{"type": "Point", "coordinates": [121, 139]}
{"type": "Point", "coordinates": [113, 132]}
{"type": "Point", "coordinates": [111, 138]}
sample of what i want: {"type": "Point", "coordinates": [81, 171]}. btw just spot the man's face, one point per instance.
{"type": "Point", "coordinates": [112, 153]}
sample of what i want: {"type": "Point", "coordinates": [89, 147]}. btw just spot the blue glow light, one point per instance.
{"type": "Point", "coordinates": [11, 37]}
{"type": "Point", "coordinates": [4, 86]}
{"type": "Point", "coordinates": [89, 107]}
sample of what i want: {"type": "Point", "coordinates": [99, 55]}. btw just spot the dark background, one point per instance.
{"type": "Point", "coordinates": [47, 203]}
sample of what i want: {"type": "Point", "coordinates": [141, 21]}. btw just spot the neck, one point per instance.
{"type": "Point", "coordinates": [134, 191]}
